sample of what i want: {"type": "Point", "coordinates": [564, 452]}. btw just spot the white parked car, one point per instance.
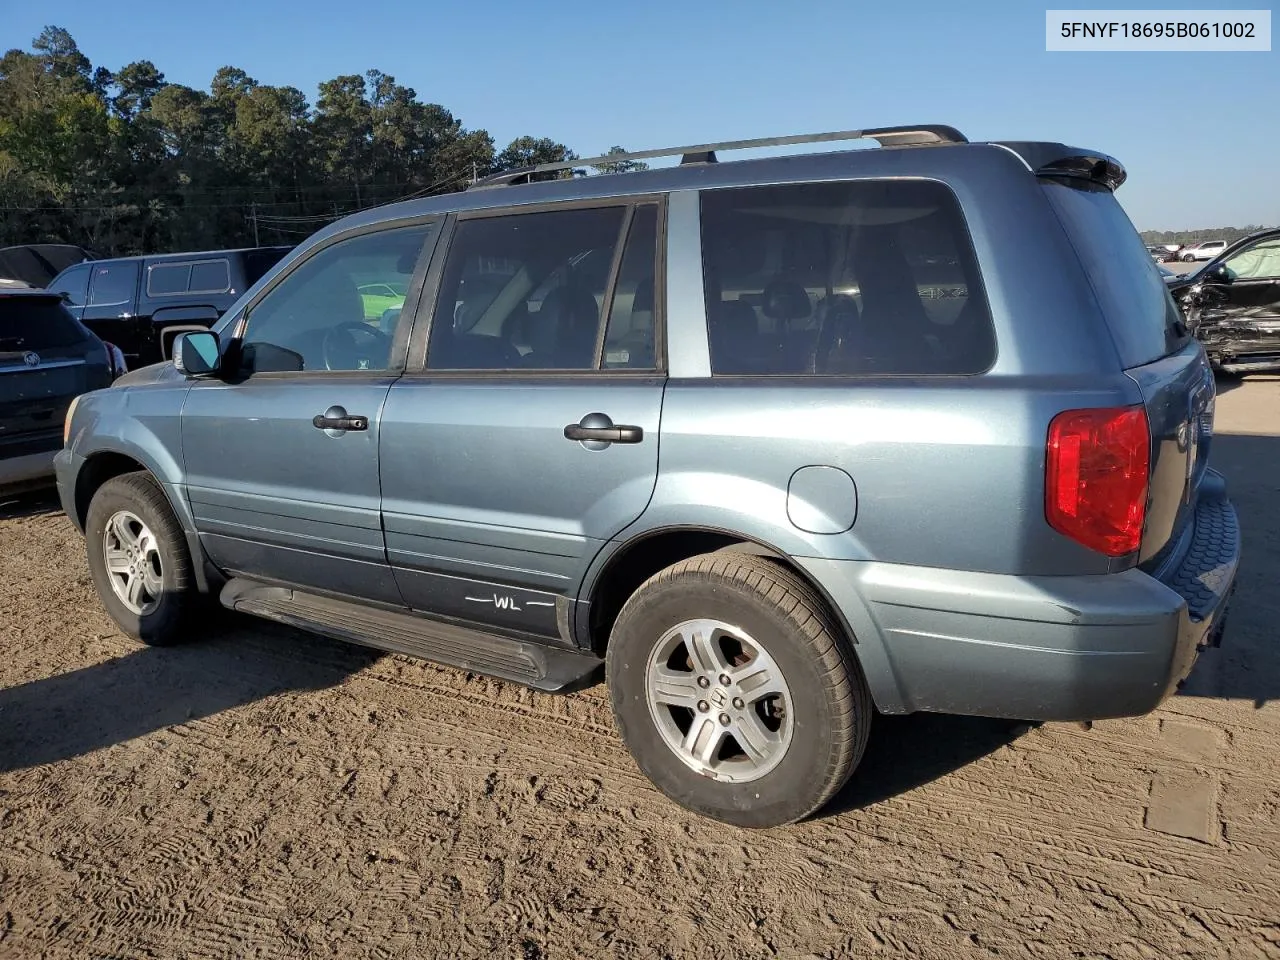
{"type": "Point", "coordinates": [1203, 251]}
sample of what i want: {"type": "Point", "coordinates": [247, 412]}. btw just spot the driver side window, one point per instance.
{"type": "Point", "coordinates": [339, 309]}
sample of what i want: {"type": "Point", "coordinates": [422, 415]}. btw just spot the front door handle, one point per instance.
{"type": "Point", "coordinates": [598, 428]}
{"type": "Point", "coordinates": [336, 418]}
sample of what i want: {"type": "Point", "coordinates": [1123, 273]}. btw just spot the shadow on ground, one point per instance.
{"type": "Point", "coordinates": [75, 713]}
{"type": "Point", "coordinates": [28, 504]}
{"type": "Point", "coordinates": [1227, 382]}
{"type": "Point", "coordinates": [1247, 665]}
{"type": "Point", "coordinates": [907, 752]}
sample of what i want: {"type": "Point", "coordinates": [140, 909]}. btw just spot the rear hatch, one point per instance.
{"type": "Point", "coordinates": [1155, 348]}
{"type": "Point", "coordinates": [46, 359]}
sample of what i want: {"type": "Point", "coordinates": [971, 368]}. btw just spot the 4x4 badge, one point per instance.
{"type": "Point", "coordinates": [31, 358]}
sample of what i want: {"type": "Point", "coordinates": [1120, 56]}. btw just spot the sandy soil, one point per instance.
{"type": "Point", "coordinates": [264, 793]}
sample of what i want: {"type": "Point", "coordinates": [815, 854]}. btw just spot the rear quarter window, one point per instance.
{"type": "Point", "coordinates": [1144, 321]}
{"type": "Point", "coordinates": [35, 324]}
{"type": "Point", "coordinates": [856, 278]}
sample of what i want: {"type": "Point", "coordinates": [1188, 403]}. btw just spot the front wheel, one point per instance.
{"type": "Point", "coordinates": [735, 691]}
{"type": "Point", "coordinates": [139, 560]}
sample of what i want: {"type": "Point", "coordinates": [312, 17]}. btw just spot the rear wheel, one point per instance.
{"type": "Point", "coordinates": [735, 692]}
{"type": "Point", "coordinates": [138, 559]}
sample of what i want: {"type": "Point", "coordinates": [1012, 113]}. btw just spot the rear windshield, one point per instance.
{"type": "Point", "coordinates": [1144, 321]}
{"type": "Point", "coordinates": [854, 278]}
{"type": "Point", "coordinates": [36, 323]}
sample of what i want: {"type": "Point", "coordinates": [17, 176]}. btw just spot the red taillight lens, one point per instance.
{"type": "Point", "coordinates": [1096, 477]}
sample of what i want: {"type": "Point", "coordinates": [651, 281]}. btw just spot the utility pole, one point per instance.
{"type": "Point", "coordinates": [254, 214]}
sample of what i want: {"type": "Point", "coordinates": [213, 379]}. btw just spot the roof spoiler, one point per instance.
{"type": "Point", "coordinates": [1063, 162]}
{"type": "Point", "coordinates": [922, 135]}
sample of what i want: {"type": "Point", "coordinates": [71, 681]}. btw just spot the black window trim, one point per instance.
{"type": "Point", "coordinates": [809, 379]}
{"type": "Point", "coordinates": [404, 327]}
{"type": "Point", "coordinates": [189, 264]}
{"type": "Point", "coordinates": [426, 305]}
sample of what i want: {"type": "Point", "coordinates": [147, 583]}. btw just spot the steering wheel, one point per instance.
{"type": "Point", "coordinates": [343, 350]}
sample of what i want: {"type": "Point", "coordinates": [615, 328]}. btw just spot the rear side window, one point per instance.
{"type": "Point", "coordinates": [168, 279]}
{"type": "Point", "coordinates": [1144, 321]}
{"type": "Point", "coordinates": [36, 323]}
{"type": "Point", "coordinates": [538, 291]}
{"type": "Point", "coordinates": [181, 279]}
{"type": "Point", "coordinates": [858, 278]}
{"type": "Point", "coordinates": [210, 276]}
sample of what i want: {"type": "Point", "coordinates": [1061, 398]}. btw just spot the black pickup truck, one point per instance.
{"type": "Point", "coordinates": [141, 303]}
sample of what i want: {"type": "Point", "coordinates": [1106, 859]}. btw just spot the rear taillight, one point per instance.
{"type": "Point", "coordinates": [1096, 476]}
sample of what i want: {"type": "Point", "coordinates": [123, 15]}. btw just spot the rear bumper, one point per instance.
{"type": "Point", "coordinates": [1040, 648]}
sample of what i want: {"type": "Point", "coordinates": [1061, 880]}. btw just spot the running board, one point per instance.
{"type": "Point", "coordinates": [535, 665]}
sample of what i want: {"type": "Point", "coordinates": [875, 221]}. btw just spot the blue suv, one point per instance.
{"type": "Point", "coordinates": [767, 445]}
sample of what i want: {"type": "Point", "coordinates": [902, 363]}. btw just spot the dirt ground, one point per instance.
{"type": "Point", "coordinates": [270, 794]}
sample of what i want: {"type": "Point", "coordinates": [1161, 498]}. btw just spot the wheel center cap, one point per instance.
{"type": "Point", "coordinates": [719, 698]}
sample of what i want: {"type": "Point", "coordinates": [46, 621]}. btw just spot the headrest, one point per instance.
{"type": "Point", "coordinates": [565, 322]}
{"type": "Point", "coordinates": [785, 300]}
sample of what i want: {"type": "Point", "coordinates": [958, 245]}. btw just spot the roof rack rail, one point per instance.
{"type": "Point", "coordinates": [706, 152]}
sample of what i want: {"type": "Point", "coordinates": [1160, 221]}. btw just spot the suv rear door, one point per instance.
{"type": "Point", "coordinates": [1154, 346]}
{"type": "Point", "coordinates": [111, 310]}
{"type": "Point", "coordinates": [543, 336]}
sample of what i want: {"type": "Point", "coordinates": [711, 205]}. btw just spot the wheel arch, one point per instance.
{"type": "Point", "coordinates": [112, 461]}
{"type": "Point", "coordinates": [635, 560]}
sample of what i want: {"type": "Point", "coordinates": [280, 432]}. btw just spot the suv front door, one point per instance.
{"type": "Point", "coordinates": [497, 491]}
{"type": "Point", "coordinates": [282, 452]}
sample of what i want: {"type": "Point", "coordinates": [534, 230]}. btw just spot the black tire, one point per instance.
{"type": "Point", "coordinates": [141, 495]}
{"type": "Point", "coordinates": [831, 704]}
{"type": "Point", "coordinates": [1188, 259]}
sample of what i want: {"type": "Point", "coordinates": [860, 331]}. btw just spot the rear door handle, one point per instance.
{"type": "Point", "coordinates": [336, 418]}
{"type": "Point", "coordinates": [599, 428]}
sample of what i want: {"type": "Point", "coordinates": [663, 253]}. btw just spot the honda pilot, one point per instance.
{"type": "Point", "coordinates": [766, 445]}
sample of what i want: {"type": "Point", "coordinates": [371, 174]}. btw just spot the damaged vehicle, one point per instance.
{"type": "Point", "coordinates": [1232, 304]}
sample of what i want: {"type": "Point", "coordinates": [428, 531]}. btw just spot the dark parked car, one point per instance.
{"type": "Point", "coordinates": [767, 445]}
{"type": "Point", "coordinates": [141, 303]}
{"type": "Point", "coordinates": [47, 358]}
{"type": "Point", "coordinates": [1232, 304]}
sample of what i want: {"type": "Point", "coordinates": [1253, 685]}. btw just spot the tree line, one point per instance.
{"type": "Point", "coordinates": [125, 162]}
{"type": "Point", "coordinates": [1229, 234]}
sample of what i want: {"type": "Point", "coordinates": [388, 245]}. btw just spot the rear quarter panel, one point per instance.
{"type": "Point", "coordinates": [949, 472]}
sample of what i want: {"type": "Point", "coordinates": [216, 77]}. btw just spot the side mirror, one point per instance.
{"type": "Point", "coordinates": [197, 353]}
{"type": "Point", "coordinates": [1219, 273]}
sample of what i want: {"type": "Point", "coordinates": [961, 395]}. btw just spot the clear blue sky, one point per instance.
{"type": "Point", "coordinates": [656, 73]}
